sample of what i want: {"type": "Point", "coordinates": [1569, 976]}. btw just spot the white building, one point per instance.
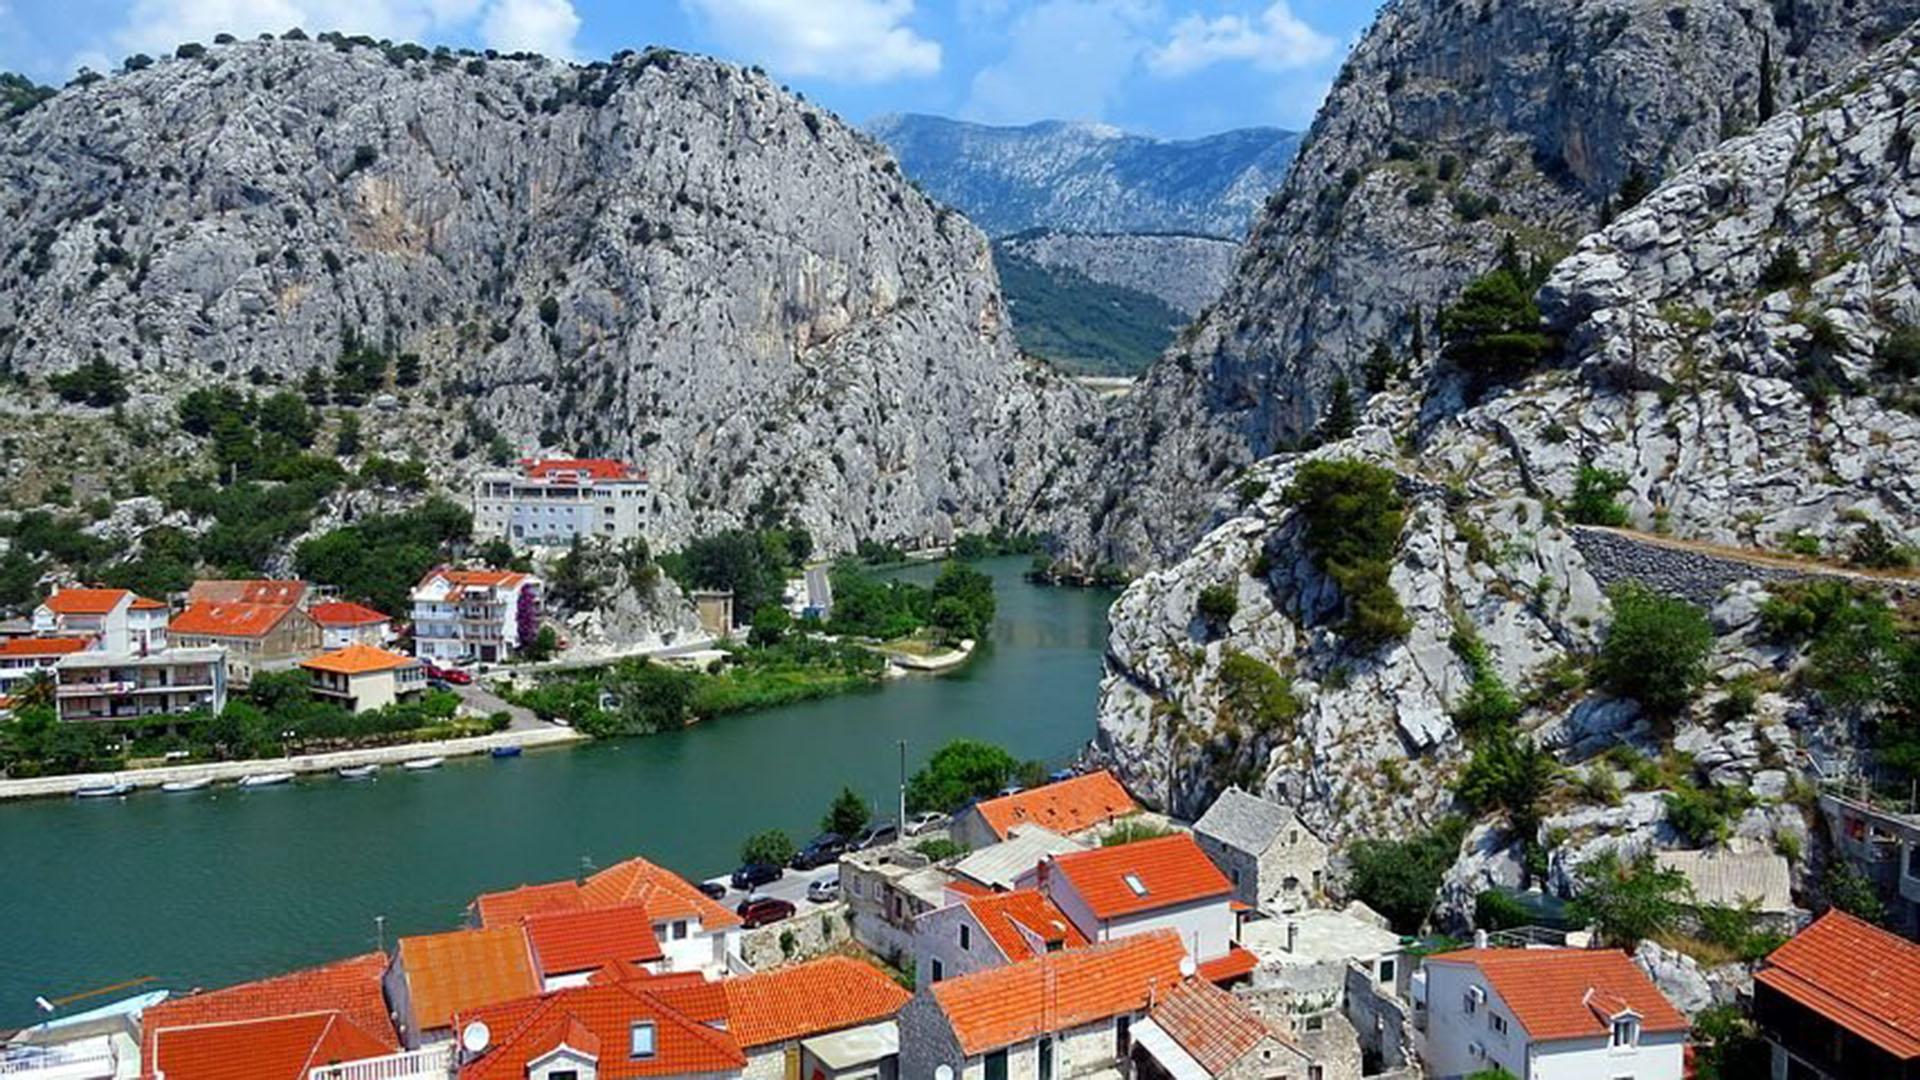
{"type": "Point", "coordinates": [126, 686]}
{"type": "Point", "coordinates": [361, 678]}
{"type": "Point", "coordinates": [23, 658]}
{"type": "Point", "coordinates": [554, 501]}
{"type": "Point", "coordinates": [694, 933]}
{"type": "Point", "coordinates": [1549, 1014]}
{"type": "Point", "coordinates": [1167, 883]}
{"type": "Point", "coordinates": [985, 932]}
{"type": "Point", "coordinates": [462, 616]}
{"type": "Point", "coordinates": [114, 620]}
{"type": "Point", "coordinates": [343, 624]}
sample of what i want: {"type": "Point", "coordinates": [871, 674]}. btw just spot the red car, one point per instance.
{"type": "Point", "coordinates": [763, 911]}
{"type": "Point", "coordinates": [451, 675]}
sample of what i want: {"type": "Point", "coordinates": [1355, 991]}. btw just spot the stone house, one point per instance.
{"type": "Point", "coordinates": [886, 890]}
{"type": "Point", "coordinates": [1199, 1030]}
{"type": "Point", "coordinates": [256, 636]}
{"type": "Point", "coordinates": [1276, 863]}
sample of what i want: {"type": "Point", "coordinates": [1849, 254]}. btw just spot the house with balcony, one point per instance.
{"type": "Point", "coordinates": [127, 686]}
{"type": "Point", "coordinates": [115, 620]}
{"type": "Point", "coordinates": [342, 624]}
{"type": "Point", "coordinates": [465, 616]}
{"type": "Point", "coordinates": [361, 678]}
{"type": "Point", "coordinates": [1880, 839]}
{"type": "Point", "coordinates": [551, 502]}
{"type": "Point", "coordinates": [1841, 999]}
{"type": "Point", "coordinates": [21, 659]}
{"type": "Point", "coordinates": [693, 932]}
{"type": "Point", "coordinates": [1549, 1014]}
{"type": "Point", "coordinates": [257, 636]}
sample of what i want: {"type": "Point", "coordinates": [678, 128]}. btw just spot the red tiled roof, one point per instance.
{"type": "Point", "coordinates": [341, 613]}
{"type": "Point", "coordinates": [666, 894]}
{"type": "Point", "coordinates": [246, 591]}
{"type": "Point", "coordinates": [809, 999]}
{"type": "Point", "coordinates": [571, 941]}
{"type": "Point", "coordinates": [84, 601]}
{"type": "Point", "coordinates": [229, 620]}
{"type": "Point", "coordinates": [1003, 915]}
{"type": "Point", "coordinates": [1565, 993]}
{"type": "Point", "coordinates": [477, 579]}
{"type": "Point", "coordinates": [358, 659]}
{"type": "Point", "coordinates": [464, 969]}
{"type": "Point", "coordinates": [1217, 1028]}
{"type": "Point", "coordinates": [1235, 963]}
{"type": "Point", "coordinates": [597, 468]}
{"type": "Point", "coordinates": [1855, 974]}
{"type": "Point", "coordinates": [685, 1042]}
{"type": "Point", "coordinates": [141, 603]}
{"type": "Point", "coordinates": [509, 906]}
{"type": "Point", "coordinates": [1066, 807]}
{"type": "Point", "coordinates": [46, 646]}
{"type": "Point", "coordinates": [1146, 875]}
{"type": "Point", "coordinates": [281, 1048]}
{"type": "Point", "coordinates": [1003, 1006]}
{"type": "Point", "coordinates": [350, 986]}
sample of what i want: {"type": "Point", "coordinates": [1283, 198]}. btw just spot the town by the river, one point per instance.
{"type": "Point", "coordinates": [208, 888]}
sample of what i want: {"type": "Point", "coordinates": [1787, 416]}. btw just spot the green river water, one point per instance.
{"type": "Point", "coordinates": [212, 887]}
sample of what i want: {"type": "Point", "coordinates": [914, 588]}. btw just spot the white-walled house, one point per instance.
{"type": "Point", "coordinates": [116, 620]}
{"type": "Point", "coordinates": [1549, 1014]}
{"type": "Point", "coordinates": [694, 933]}
{"type": "Point", "coordinates": [984, 932]}
{"type": "Point", "coordinates": [1166, 883]}
{"type": "Point", "coordinates": [342, 624]}
{"type": "Point", "coordinates": [463, 616]}
{"type": "Point", "coordinates": [1275, 862]}
{"type": "Point", "coordinates": [361, 678]}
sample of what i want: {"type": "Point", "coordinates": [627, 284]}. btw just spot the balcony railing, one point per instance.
{"type": "Point", "coordinates": [429, 1063]}
{"type": "Point", "coordinates": [60, 1063]}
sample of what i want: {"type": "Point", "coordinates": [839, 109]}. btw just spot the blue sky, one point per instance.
{"type": "Point", "coordinates": [1166, 67]}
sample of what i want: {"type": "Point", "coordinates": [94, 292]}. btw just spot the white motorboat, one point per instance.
{"type": "Point", "coordinates": [423, 763]}
{"type": "Point", "coordinates": [356, 772]}
{"type": "Point", "coordinates": [177, 786]}
{"type": "Point", "coordinates": [111, 790]}
{"type": "Point", "coordinates": [267, 779]}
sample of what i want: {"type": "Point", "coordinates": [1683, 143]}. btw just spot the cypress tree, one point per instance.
{"type": "Point", "coordinates": [1339, 419]}
{"type": "Point", "coordinates": [1379, 367]}
{"type": "Point", "coordinates": [1767, 104]}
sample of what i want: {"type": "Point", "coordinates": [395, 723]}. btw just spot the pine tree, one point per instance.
{"type": "Point", "coordinates": [1339, 419]}
{"type": "Point", "coordinates": [1419, 346]}
{"type": "Point", "coordinates": [1379, 367]}
{"type": "Point", "coordinates": [1767, 103]}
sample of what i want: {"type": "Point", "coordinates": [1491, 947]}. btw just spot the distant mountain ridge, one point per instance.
{"type": "Point", "coordinates": [1090, 177]}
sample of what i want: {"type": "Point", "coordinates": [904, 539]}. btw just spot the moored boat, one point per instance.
{"type": "Point", "coordinates": [254, 780]}
{"type": "Point", "coordinates": [177, 786]}
{"type": "Point", "coordinates": [110, 790]}
{"type": "Point", "coordinates": [356, 772]}
{"type": "Point", "coordinates": [422, 763]}
{"type": "Point", "coordinates": [505, 751]}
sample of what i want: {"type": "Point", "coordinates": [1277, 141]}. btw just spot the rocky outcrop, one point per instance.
{"type": "Point", "coordinates": [1450, 128]}
{"type": "Point", "coordinates": [664, 258]}
{"type": "Point", "coordinates": [1090, 177]}
{"type": "Point", "coordinates": [1186, 272]}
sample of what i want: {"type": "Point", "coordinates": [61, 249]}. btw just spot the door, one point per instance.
{"type": "Point", "coordinates": [996, 1063]}
{"type": "Point", "coordinates": [1046, 1058]}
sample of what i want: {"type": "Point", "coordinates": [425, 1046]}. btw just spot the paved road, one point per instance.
{"type": "Point", "coordinates": [480, 699]}
{"type": "Point", "coordinates": [792, 886]}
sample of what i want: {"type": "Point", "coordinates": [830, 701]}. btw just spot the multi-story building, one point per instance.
{"type": "Point", "coordinates": [1276, 863]}
{"type": "Point", "coordinates": [115, 686]}
{"type": "Point", "coordinates": [462, 616]}
{"type": "Point", "coordinates": [114, 620]}
{"type": "Point", "coordinates": [1071, 807]}
{"type": "Point", "coordinates": [23, 658]}
{"type": "Point", "coordinates": [1841, 999]}
{"type": "Point", "coordinates": [361, 678]}
{"type": "Point", "coordinates": [553, 501]}
{"type": "Point", "coordinates": [258, 636]}
{"type": "Point", "coordinates": [343, 624]}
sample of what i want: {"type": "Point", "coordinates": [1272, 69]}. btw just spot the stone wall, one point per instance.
{"type": "Point", "coordinates": [815, 930]}
{"type": "Point", "coordinates": [1615, 556]}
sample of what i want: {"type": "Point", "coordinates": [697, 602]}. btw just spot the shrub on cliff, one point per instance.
{"type": "Point", "coordinates": [1656, 650]}
{"type": "Point", "coordinates": [1353, 514]}
{"type": "Point", "coordinates": [1494, 328]}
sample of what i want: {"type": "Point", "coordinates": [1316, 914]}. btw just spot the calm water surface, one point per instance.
{"type": "Point", "coordinates": [217, 886]}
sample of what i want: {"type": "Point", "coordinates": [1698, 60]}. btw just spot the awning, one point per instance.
{"type": "Point", "coordinates": [1172, 1057]}
{"type": "Point", "coordinates": [847, 1049]}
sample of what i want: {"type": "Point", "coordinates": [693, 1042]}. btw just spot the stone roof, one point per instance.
{"type": "Point", "coordinates": [1246, 822]}
{"type": "Point", "coordinates": [1732, 879]}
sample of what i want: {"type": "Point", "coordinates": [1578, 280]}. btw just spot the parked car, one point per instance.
{"type": "Point", "coordinates": [435, 683]}
{"type": "Point", "coordinates": [456, 676]}
{"type": "Point", "coordinates": [885, 832]}
{"type": "Point", "coordinates": [754, 875]}
{"type": "Point", "coordinates": [925, 821]}
{"type": "Point", "coordinates": [712, 890]}
{"type": "Point", "coordinates": [824, 891]}
{"type": "Point", "coordinates": [763, 910]}
{"type": "Point", "coordinates": [1058, 775]}
{"type": "Point", "coordinates": [1010, 789]}
{"type": "Point", "coordinates": [821, 850]}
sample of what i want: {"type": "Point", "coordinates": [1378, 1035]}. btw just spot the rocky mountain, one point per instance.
{"type": "Point", "coordinates": [1185, 272]}
{"type": "Point", "coordinates": [1736, 383]}
{"type": "Point", "coordinates": [664, 258]}
{"type": "Point", "coordinates": [1451, 128]}
{"type": "Point", "coordinates": [1090, 177]}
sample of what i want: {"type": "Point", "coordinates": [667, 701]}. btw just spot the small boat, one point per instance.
{"type": "Point", "coordinates": [356, 772]}
{"type": "Point", "coordinates": [111, 790]}
{"type": "Point", "coordinates": [420, 764]}
{"type": "Point", "coordinates": [505, 751]}
{"type": "Point", "coordinates": [177, 786]}
{"type": "Point", "coordinates": [266, 779]}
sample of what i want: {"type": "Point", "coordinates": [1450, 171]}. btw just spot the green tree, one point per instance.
{"type": "Point", "coordinates": [1656, 650]}
{"type": "Point", "coordinates": [1512, 775]}
{"type": "Point", "coordinates": [1853, 892]}
{"type": "Point", "coordinates": [1400, 878]}
{"type": "Point", "coordinates": [1768, 101]}
{"type": "Point", "coordinates": [1354, 514]}
{"type": "Point", "coordinates": [963, 603]}
{"type": "Point", "coordinates": [771, 624]}
{"type": "Point", "coordinates": [1628, 901]}
{"type": "Point", "coordinates": [1377, 375]}
{"type": "Point", "coordinates": [1593, 492]}
{"type": "Point", "coordinates": [1256, 695]}
{"type": "Point", "coordinates": [346, 443]}
{"type": "Point", "coordinates": [1494, 328]}
{"type": "Point", "coordinates": [770, 848]}
{"type": "Point", "coordinates": [286, 414]}
{"type": "Point", "coordinates": [95, 383]}
{"type": "Point", "coordinates": [848, 815]}
{"type": "Point", "coordinates": [1728, 1045]}
{"type": "Point", "coordinates": [1339, 418]}
{"type": "Point", "coordinates": [960, 771]}
{"type": "Point", "coordinates": [1217, 605]}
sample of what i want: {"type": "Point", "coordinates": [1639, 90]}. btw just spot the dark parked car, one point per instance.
{"type": "Point", "coordinates": [712, 890]}
{"type": "Point", "coordinates": [762, 911]}
{"type": "Point", "coordinates": [821, 850]}
{"type": "Point", "coordinates": [884, 833]}
{"type": "Point", "coordinates": [754, 875]}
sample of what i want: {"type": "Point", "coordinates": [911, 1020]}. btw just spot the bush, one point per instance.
{"type": "Point", "coordinates": [1704, 816]}
{"type": "Point", "coordinates": [1593, 492]}
{"type": "Point", "coordinates": [1728, 1046]}
{"type": "Point", "coordinates": [1512, 775]}
{"type": "Point", "coordinates": [1353, 514]}
{"type": "Point", "coordinates": [1496, 910]}
{"type": "Point", "coordinates": [771, 625]}
{"type": "Point", "coordinates": [1132, 830]}
{"type": "Point", "coordinates": [1656, 650]}
{"type": "Point", "coordinates": [1494, 328]}
{"type": "Point", "coordinates": [1257, 695]}
{"type": "Point", "coordinates": [1217, 605]}
{"type": "Point", "coordinates": [939, 848]}
{"type": "Point", "coordinates": [1784, 270]}
{"type": "Point", "coordinates": [772, 848]}
{"type": "Point", "coordinates": [1899, 352]}
{"type": "Point", "coordinates": [1628, 902]}
{"type": "Point", "coordinates": [1400, 878]}
{"type": "Point", "coordinates": [95, 383]}
{"type": "Point", "coordinates": [1852, 892]}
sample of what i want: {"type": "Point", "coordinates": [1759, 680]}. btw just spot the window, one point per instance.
{"type": "Point", "coordinates": [1387, 971]}
{"type": "Point", "coordinates": [939, 969]}
{"type": "Point", "coordinates": [966, 937]}
{"type": "Point", "coordinates": [564, 1074]}
{"type": "Point", "coordinates": [1497, 1022]}
{"type": "Point", "coordinates": [1626, 1031]}
{"type": "Point", "coordinates": [1134, 883]}
{"type": "Point", "coordinates": [1123, 1035]}
{"type": "Point", "coordinates": [1913, 859]}
{"type": "Point", "coordinates": [997, 1065]}
{"type": "Point", "coordinates": [1314, 1023]}
{"type": "Point", "coordinates": [1468, 1004]}
{"type": "Point", "coordinates": [1046, 1058]}
{"type": "Point", "coordinates": [640, 1039]}
{"type": "Point", "coordinates": [680, 930]}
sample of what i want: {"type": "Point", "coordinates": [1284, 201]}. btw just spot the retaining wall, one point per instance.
{"type": "Point", "coordinates": [1614, 556]}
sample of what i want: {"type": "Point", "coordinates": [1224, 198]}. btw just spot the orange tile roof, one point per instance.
{"type": "Point", "coordinates": [1066, 807]}
{"type": "Point", "coordinates": [1235, 963]}
{"type": "Point", "coordinates": [597, 468]}
{"type": "Point", "coordinates": [85, 601]}
{"type": "Point", "coordinates": [341, 613]}
{"type": "Point", "coordinates": [358, 659]}
{"type": "Point", "coordinates": [464, 969]}
{"type": "Point", "coordinates": [1217, 1028]}
{"type": "Point", "coordinates": [46, 646]}
{"type": "Point", "coordinates": [229, 620]}
{"type": "Point", "coordinates": [1170, 870]}
{"type": "Point", "coordinates": [1565, 993]}
{"type": "Point", "coordinates": [1002, 1006]}
{"type": "Point", "coordinates": [1855, 974]}
{"type": "Point", "coordinates": [478, 579]}
{"type": "Point", "coordinates": [685, 1040]}
{"type": "Point", "coordinates": [246, 591]}
{"type": "Point", "coordinates": [1003, 915]}
{"type": "Point", "coordinates": [572, 941]}
{"type": "Point", "coordinates": [141, 603]}
{"type": "Point", "coordinates": [281, 1048]}
{"type": "Point", "coordinates": [509, 906]}
{"type": "Point", "coordinates": [666, 894]}
{"type": "Point", "coordinates": [809, 999]}
{"type": "Point", "coordinates": [350, 986]}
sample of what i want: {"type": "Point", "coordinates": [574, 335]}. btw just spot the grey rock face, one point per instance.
{"type": "Point", "coordinates": [1543, 106]}
{"type": "Point", "coordinates": [1186, 272]}
{"type": "Point", "coordinates": [666, 259]}
{"type": "Point", "coordinates": [1090, 177]}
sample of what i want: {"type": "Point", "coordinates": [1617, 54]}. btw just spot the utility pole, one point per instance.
{"type": "Point", "coordinates": [901, 823]}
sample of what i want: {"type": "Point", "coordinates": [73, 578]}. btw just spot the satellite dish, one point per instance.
{"type": "Point", "coordinates": [943, 1072]}
{"type": "Point", "coordinates": [475, 1036]}
{"type": "Point", "coordinates": [1187, 967]}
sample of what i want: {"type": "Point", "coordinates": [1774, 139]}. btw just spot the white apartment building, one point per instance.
{"type": "Point", "coordinates": [125, 686]}
{"type": "Point", "coordinates": [463, 616]}
{"type": "Point", "coordinates": [552, 501]}
{"type": "Point", "coordinates": [114, 620]}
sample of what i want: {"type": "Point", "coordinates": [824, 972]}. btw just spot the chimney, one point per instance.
{"type": "Point", "coordinates": [1293, 935]}
{"type": "Point", "coordinates": [1479, 939]}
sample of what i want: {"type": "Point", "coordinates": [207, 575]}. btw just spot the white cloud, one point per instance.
{"type": "Point", "coordinates": [1068, 59]}
{"type": "Point", "coordinates": [840, 40]}
{"type": "Point", "coordinates": [542, 26]}
{"type": "Point", "coordinates": [1275, 40]}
